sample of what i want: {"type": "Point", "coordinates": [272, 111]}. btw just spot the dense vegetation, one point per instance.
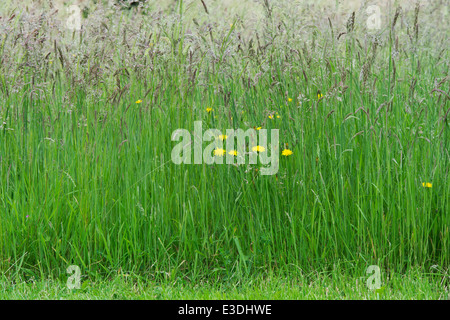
{"type": "Point", "coordinates": [87, 178]}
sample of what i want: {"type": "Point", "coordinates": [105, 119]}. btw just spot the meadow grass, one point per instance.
{"type": "Point", "coordinates": [334, 285]}
{"type": "Point", "coordinates": [86, 171]}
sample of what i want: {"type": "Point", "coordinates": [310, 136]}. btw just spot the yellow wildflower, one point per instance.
{"type": "Point", "coordinates": [139, 101]}
{"type": "Point", "coordinates": [219, 152]}
{"type": "Point", "coordinates": [286, 152]}
{"type": "Point", "coordinates": [223, 137]}
{"type": "Point", "coordinates": [319, 94]}
{"type": "Point", "coordinates": [427, 184]}
{"type": "Point", "coordinates": [208, 110]}
{"type": "Point", "coordinates": [258, 149]}
{"type": "Point", "coordinates": [233, 153]}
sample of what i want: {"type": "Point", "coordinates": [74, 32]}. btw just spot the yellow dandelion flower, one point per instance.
{"type": "Point", "coordinates": [427, 184]}
{"type": "Point", "coordinates": [219, 152]}
{"type": "Point", "coordinates": [319, 94]}
{"type": "Point", "coordinates": [258, 149]}
{"type": "Point", "coordinates": [286, 152]}
{"type": "Point", "coordinates": [271, 117]}
{"type": "Point", "coordinates": [139, 101]}
{"type": "Point", "coordinates": [208, 110]}
{"type": "Point", "coordinates": [259, 128]}
{"type": "Point", "coordinates": [233, 153]}
{"type": "Point", "coordinates": [223, 137]}
{"type": "Point", "coordinates": [289, 99]}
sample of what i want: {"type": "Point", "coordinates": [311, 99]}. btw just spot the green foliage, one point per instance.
{"type": "Point", "coordinates": [86, 176]}
{"type": "Point", "coordinates": [335, 285]}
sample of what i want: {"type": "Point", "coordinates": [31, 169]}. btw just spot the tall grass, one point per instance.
{"type": "Point", "coordinates": [86, 173]}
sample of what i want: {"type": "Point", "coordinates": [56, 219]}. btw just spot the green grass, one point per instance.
{"type": "Point", "coordinates": [413, 285]}
{"type": "Point", "coordinates": [86, 176]}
